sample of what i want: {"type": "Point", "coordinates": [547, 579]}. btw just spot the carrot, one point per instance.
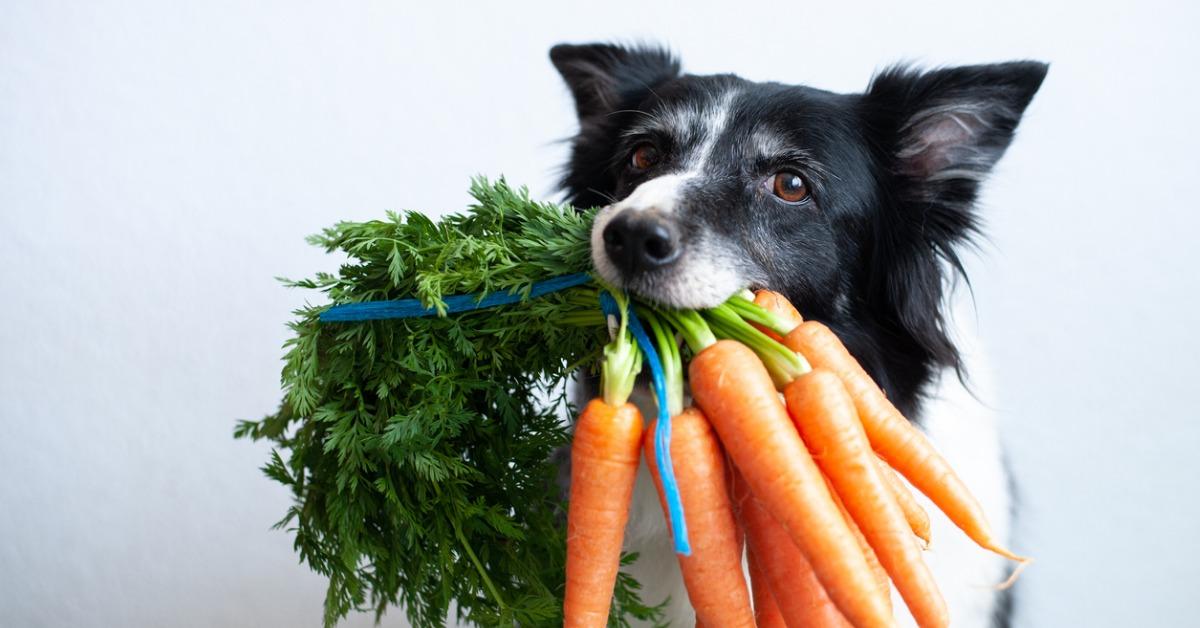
{"type": "Point", "coordinates": [877, 569]}
{"type": "Point", "coordinates": [779, 305]}
{"type": "Point", "coordinates": [713, 571]}
{"type": "Point", "coordinates": [604, 463]}
{"type": "Point", "coordinates": [792, 585]}
{"type": "Point", "coordinates": [895, 439]}
{"type": "Point", "coordinates": [918, 519]}
{"type": "Point", "coordinates": [766, 611]}
{"type": "Point", "coordinates": [738, 395]}
{"type": "Point", "coordinates": [824, 413]}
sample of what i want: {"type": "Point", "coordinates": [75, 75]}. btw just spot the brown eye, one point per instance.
{"type": "Point", "coordinates": [789, 186]}
{"type": "Point", "coordinates": [644, 156]}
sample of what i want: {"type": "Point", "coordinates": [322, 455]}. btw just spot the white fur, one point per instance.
{"type": "Point", "coordinates": [713, 120]}
{"type": "Point", "coordinates": [962, 428]}
{"type": "Point", "coordinates": [660, 193]}
{"type": "Point", "coordinates": [604, 266]}
{"type": "Point", "coordinates": [705, 277]}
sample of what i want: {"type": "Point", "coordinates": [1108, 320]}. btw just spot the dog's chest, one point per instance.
{"type": "Point", "coordinates": [961, 427]}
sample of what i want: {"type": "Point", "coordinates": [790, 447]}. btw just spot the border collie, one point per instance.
{"type": "Point", "coordinates": [854, 206]}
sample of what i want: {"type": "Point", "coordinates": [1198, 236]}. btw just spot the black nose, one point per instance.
{"type": "Point", "coordinates": [639, 240]}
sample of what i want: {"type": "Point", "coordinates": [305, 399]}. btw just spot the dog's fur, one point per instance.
{"type": "Point", "coordinates": [892, 174]}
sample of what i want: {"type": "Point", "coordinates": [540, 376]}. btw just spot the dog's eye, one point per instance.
{"type": "Point", "coordinates": [789, 187]}
{"type": "Point", "coordinates": [644, 156]}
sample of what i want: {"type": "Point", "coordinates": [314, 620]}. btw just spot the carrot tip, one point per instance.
{"type": "Point", "coordinates": [1012, 578]}
{"type": "Point", "coordinates": [1007, 554]}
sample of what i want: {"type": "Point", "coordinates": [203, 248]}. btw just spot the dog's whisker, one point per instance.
{"type": "Point", "coordinates": [648, 114]}
{"type": "Point", "coordinates": [602, 194]}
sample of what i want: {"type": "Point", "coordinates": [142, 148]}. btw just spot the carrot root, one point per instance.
{"type": "Point", "coordinates": [918, 519]}
{"type": "Point", "coordinates": [894, 439]}
{"type": "Point", "coordinates": [788, 577]}
{"type": "Point", "coordinates": [825, 416]}
{"type": "Point", "coordinates": [1012, 578]}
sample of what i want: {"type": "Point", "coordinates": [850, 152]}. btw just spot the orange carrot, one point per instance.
{"type": "Point", "coordinates": [776, 302]}
{"type": "Point", "coordinates": [738, 395]}
{"type": "Point", "coordinates": [793, 586]}
{"type": "Point", "coordinates": [766, 611]}
{"type": "Point", "coordinates": [918, 519]}
{"type": "Point", "coordinates": [779, 305]}
{"type": "Point", "coordinates": [895, 439]}
{"type": "Point", "coordinates": [713, 571]}
{"type": "Point", "coordinates": [824, 414]}
{"type": "Point", "coordinates": [604, 463]}
{"type": "Point", "coordinates": [877, 569]}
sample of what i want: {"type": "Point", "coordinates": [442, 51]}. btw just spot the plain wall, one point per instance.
{"type": "Point", "coordinates": [162, 162]}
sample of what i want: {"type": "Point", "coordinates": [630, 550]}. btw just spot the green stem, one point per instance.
{"type": "Point", "coordinates": [487, 582]}
{"type": "Point", "coordinates": [755, 313]}
{"type": "Point", "coordinates": [462, 539]}
{"type": "Point", "coordinates": [692, 328]}
{"type": "Point", "coordinates": [782, 363]}
{"type": "Point", "coordinates": [622, 360]}
{"type": "Point", "coordinates": [668, 349]}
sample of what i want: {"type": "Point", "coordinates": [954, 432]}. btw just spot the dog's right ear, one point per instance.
{"type": "Point", "coordinates": [604, 78]}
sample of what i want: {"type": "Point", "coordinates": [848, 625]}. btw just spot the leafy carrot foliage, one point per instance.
{"type": "Point", "coordinates": [419, 451]}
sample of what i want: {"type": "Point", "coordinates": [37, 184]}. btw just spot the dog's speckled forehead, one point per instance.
{"type": "Point", "coordinates": [722, 124]}
{"type": "Point", "coordinates": [694, 126]}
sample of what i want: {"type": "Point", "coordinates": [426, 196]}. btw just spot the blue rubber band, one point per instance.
{"type": "Point", "coordinates": [662, 431]}
{"type": "Point", "coordinates": [412, 308]}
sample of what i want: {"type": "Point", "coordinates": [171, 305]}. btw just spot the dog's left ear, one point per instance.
{"type": "Point", "coordinates": [946, 128]}
{"type": "Point", "coordinates": [941, 132]}
{"type": "Point", "coordinates": [606, 77]}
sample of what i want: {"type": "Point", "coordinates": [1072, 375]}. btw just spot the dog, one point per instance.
{"type": "Point", "coordinates": [854, 206]}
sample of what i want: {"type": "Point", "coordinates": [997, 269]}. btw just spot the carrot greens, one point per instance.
{"type": "Point", "coordinates": [419, 451]}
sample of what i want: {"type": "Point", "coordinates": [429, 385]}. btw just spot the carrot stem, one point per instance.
{"type": "Point", "coordinates": [692, 328]}
{"type": "Point", "coordinates": [672, 362]}
{"type": "Point", "coordinates": [487, 582]}
{"type": "Point", "coordinates": [755, 313]}
{"type": "Point", "coordinates": [662, 430]}
{"type": "Point", "coordinates": [782, 363]}
{"type": "Point", "coordinates": [622, 360]}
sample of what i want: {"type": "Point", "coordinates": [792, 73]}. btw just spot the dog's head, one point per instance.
{"type": "Point", "coordinates": [850, 204]}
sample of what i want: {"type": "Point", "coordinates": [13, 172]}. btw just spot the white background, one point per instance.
{"type": "Point", "coordinates": [160, 163]}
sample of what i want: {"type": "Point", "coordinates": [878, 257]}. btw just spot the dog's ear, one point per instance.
{"type": "Point", "coordinates": [940, 132]}
{"type": "Point", "coordinates": [604, 77]}
{"type": "Point", "coordinates": [604, 80]}
{"type": "Point", "coordinates": [947, 128]}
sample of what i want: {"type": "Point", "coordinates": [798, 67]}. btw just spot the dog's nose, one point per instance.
{"type": "Point", "coordinates": [640, 241]}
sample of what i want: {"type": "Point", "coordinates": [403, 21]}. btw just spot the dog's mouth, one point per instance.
{"type": "Point", "coordinates": [678, 292]}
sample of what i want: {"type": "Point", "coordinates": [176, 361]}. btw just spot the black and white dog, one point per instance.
{"type": "Point", "coordinates": [852, 205]}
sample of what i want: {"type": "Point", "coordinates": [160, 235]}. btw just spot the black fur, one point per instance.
{"type": "Point", "coordinates": [607, 83]}
{"type": "Point", "coordinates": [894, 174]}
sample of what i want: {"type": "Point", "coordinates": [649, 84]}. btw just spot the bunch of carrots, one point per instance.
{"type": "Point", "coordinates": [790, 453]}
